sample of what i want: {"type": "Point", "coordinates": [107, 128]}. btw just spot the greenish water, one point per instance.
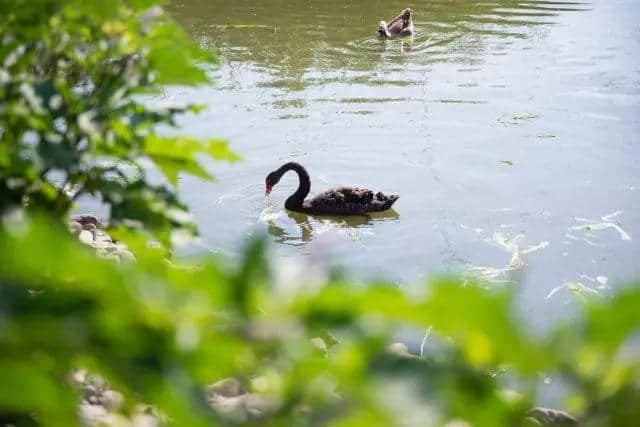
{"type": "Point", "coordinates": [497, 119]}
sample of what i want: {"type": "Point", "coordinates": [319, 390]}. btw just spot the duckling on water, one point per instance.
{"type": "Point", "coordinates": [402, 25]}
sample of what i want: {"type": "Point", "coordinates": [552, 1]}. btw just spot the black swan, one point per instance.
{"type": "Point", "coordinates": [340, 201]}
{"type": "Point", "coordinates": [402, 25]}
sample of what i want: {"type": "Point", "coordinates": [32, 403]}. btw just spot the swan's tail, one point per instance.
{"type": "Point", "coordinates": [391, 200]}
{"type": "Point", "coordinates": [383, 202]}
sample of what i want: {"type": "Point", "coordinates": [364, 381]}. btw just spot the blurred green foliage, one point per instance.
{"type": "Point", "coordinates": [160, 331]}
{"type": "Point", "coordinates": [76, 115]}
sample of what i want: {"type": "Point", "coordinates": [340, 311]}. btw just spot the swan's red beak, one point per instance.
{"type": "Point", "coordinates": [268, 190]}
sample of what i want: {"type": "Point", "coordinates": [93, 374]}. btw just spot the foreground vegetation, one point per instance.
{"type": "Point", "coordinates": [77, 86]}
{"type": "Point", "coordinates": [160, 331]}
{"type": "Point", "coordinates": [76, 118]}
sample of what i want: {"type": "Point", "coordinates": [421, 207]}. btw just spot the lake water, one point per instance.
{"type": "Point", "coordinates": [500, 124]}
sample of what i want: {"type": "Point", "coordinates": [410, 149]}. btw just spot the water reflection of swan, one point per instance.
{"type": "Point", "coordinates": [398, 48]}
{"type": "Point", "coordinates": [407, 44]}
{"type": "Point", "coordinates": [305, 224]}
{"type": "Point", "coordinates": [460, 26]}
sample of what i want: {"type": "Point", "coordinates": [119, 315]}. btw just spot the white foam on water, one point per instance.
{"type": "Point", "coordinates": [589, 225]}
{"type": "Point", "coordinates": [576, 288]}
{"type": "Point", "coordinates": [511, 245]}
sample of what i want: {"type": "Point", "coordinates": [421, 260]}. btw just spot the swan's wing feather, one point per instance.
{"type": "Point", "coordinates": [338, 201]}
{"type": "Point", "coordinates": [355, 195]}
{"type": "Point", "coordinates": [346, 201]}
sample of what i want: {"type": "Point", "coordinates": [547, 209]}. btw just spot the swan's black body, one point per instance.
{"type": "Point", "coordinates": [339, 201]}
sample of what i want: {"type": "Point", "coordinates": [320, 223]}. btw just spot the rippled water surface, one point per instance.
{"type": "Point", "coordinates": [510, 129]}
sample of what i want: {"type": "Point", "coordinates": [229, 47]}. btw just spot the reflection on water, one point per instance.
{"type": "Point", "coordinates": [512, 117]}
{"type": "Point", "coordinates": [310, 226]}
{"type": "Point", "coordinates": [331, 34]}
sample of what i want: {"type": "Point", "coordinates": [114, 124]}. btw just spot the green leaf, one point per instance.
{"type": "Point", "coordinates": [173, 166]}
{"type": "Point", "coordinates": [609, 330]}
{"type": "Point", "coordinates": [173, 56]}
{"type": "Point", "coordinates": [25, 387]}
{"type": "Point", "coordinates": [185, 147]}
{"type": "Point", "coordinates": [174, 155]}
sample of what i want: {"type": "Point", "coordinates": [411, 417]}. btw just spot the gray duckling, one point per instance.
{"type": "Point", "coordinates": [402, 25]}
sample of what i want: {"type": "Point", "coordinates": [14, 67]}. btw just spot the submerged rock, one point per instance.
{"type": "Point", "coordinates": [89, 231]}
{"type": "Point", "coordinates": [319, 343]}
{"type": "Point", "coordinates": [101, 405]}
{"type": "Point", "coordinates": [126, 257]}
{"type": "Point", "coordinates": [101, 236]}
{"type": "Point", "coordinates": [101, 244]}
{"type": "Point", "coordinates": [227, 387]}
{"type": "Point", "coordinates": [86, 237]}
{"type": "Point", "coordinates": [92, 229]}
{"type": "Point", "coordinates": [113, 257]}
{"type": "Point", "coordinates": [75, 227]}
{"type": "Point", "coordinates": [231, 400]}
{"type": "Point", "coordinates": [551, 417]}
{"type": "Point", "coordinates": [92, 415]}
{"type": "Point", "coordinates": [86, 219]}
{"type": "Point", "coordinates": [401, 349]}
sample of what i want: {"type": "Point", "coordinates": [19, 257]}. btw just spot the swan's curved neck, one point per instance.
{"type": "Point", "coordinates": [295, 200]}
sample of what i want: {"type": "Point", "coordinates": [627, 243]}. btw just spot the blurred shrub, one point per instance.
{"type": "Point", "coordinates": [159, 332]}
{"type": "Point", "coordinates": [74, 76]}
